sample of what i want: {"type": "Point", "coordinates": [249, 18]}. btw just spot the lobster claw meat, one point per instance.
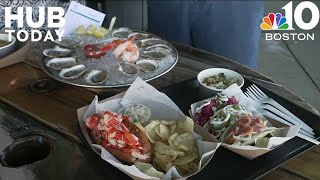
{"type": "Point", "coordinates": [98, 50]}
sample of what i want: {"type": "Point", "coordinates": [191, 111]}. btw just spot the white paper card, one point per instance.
{"type": "Point", "coordinates": [79, 14]}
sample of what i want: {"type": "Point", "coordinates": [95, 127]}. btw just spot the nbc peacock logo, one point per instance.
{"type": "Point", "coordinates": [274, 22]}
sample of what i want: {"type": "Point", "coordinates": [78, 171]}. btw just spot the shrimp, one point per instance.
{"type": "Point", "coordinates": [128, 51]}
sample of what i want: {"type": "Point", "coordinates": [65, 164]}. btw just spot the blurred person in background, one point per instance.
{"type": "Point", "coordinates": [228, 28]}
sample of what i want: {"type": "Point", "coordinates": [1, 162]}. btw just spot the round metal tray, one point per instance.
{"type": "Point", "coordinates": [109, 62]}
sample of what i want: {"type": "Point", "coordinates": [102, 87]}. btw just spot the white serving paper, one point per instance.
{"type": "Point", "coordinates": [162, 108]}
{"type": "Point", "coordinates": [251, 152]}
{"type": "Point", "coordinates": [78, 14]}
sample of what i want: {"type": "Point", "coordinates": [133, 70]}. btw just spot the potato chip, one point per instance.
{"type": "Point", "coordinates": [154, 173]}
{"type": "Point", "coordinates": [194, 149]}
{"type": "Point", "coordinates": [185, 159]}
{"type": "Point", "coordinates": [168, 123]}
{"type": "Point", "coordinates": [172, 139]}
{"type": "Point", "coordinates": [190, 167]}
{"type": "Point", "coordinates": [141, 129]}
{"type": "Point", "coordinates": [184, 142]}
{"type": "Point", "coordinates": [167, 150]}
{"type": "Point", "coordinates": [172, 128]}
{"type": "Point", "coordinates": [162, 162]}
{"type": "Point", "coordinates": [148, 169]}
{"type": "Point", "coordinates": [150, 129]}
{"type": "Point", "coordinates": [174, 144]}
{"type": "Point", "coordinates": [163, 131]}
{"type": "Point", "coordinates": [165, 157]}
{"type": "Point", "coordinates": [143, 167]}
{"type": "Point", "coordinates": [185, 126]}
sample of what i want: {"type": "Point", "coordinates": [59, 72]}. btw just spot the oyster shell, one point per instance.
{"type": "Point", "coordinates": [156, 53]}
{"type": "Point", "coordinates": [147, 65]}
{"type": "Point", "coordinates": [151, 41]}
{"type": "Point", "coordinates": [57, 52]}
{"type": "Point", "coordinates": [128, 68]}
{"type": "Point", "coordinates": [110, 40]}
{"type": "Point", "coordinates": [121, 32]}
{"type": "Point", "coordinates": [165, 46]}
{"type": "Point", "coordinates": [96, 77]}
{"type": "Point", "coordinates": [61, 63]}
{"type": "Point", "coordinates": [140, 36]}
{"type": "Point", "coordinates": [68, 42]}
{"type": "Point", "coordinates": [73, 72]}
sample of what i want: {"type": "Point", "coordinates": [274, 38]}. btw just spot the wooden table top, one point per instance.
{"type": "Point", "coordinates": [57, 108]}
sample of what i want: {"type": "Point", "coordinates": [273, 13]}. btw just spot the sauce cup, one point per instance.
{"type": "Point", "coordinates": [215, 71]}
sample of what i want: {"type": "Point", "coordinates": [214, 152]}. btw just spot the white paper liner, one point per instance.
{"type": "Point", "coordinates": [251, 152]}
{"type": "Point", "coordinates": [162, 108]}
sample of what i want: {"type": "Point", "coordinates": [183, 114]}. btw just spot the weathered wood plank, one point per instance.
{"type": "Point", "coordinates": [282, 174]}
{"type": "Point", "coordinates": [316, 149]}
{"type": "Point", "coordinates": [56, 108]}
{"type": "Point", "coordinates": [306, 165]}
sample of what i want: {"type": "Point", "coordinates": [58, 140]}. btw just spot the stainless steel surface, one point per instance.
{"type": "Point", "coordinates": [111, 64]}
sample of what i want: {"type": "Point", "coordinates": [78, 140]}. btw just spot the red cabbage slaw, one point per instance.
{"type": "Point", "coordinates": [210, 107]}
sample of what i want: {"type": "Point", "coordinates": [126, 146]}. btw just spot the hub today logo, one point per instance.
{"type": "Point", "coordinates": [278, 22]}
{"type": "Point", "coordinates": [54, 16]}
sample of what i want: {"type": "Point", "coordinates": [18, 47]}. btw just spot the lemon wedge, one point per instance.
{"type": "Point", "coordinates": [91, 29]}
{"type": "Point", "coordinates": [103, 30]}
{"type": "Point", "coordinates": [98, 34]}
{"type": "Point", "coordinates": [80, 30]}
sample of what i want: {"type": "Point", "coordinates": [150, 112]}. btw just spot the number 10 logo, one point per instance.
{"type": "Point", "coordinates": [277, 22]}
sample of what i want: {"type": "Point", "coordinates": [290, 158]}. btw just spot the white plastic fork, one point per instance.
{"type": "Point", "coordinates": [300, 134]}
{"type": "Point", "coordinates": [262, 98]}
{"type": "Point", "coordinates": [277, 115]}
{"type": "Point", "coordinates": [280, 116]}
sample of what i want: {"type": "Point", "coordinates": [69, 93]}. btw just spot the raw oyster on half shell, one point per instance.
{"type": "Point", "coordinates": [61, 63]}
{"type": "Point", "coordinates": [150, 42]}
{"type": "Point", "coordinates": [96, 77]}
{"type": "Point", "coordinates": [73, 72]}
{"type": "Point", "coordinates": [147, 65]}
{"type": "Point", "coordinates": [139, 36]}
{"type": "Point", "coordinates": [68, 42]}
{"type": "Point", "coordinates": [121, 32]}
{"type": "Point", "coordinates": [128, 68]}
{"type": "Point", "coordinates": [57, 52]}
{"type": "Point", "coordinates": [157, 46]}
{"type": "Point", "coordinates": [156, 53]}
